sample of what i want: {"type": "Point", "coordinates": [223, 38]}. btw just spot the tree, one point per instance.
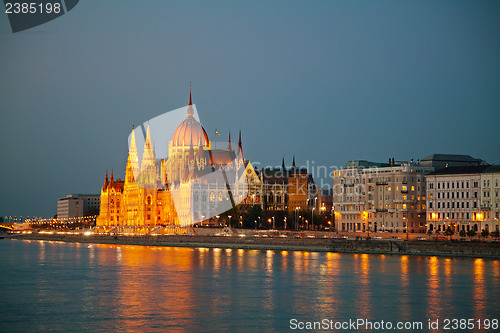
{"type": "Point", "coordinates": [495, 234]}
{"type": "Point", "coordinates": [253, 215]}
{"type": "Point", "coordinates": [448, 232]}
{"type": "Point", "coordinates": [429, 232]}
{"type": "Point", "coordinates": [485, 233]}
{"type": "Point", "coordinates": [471, 233]}
{"type": "Point", "coordinates": [462, 233]}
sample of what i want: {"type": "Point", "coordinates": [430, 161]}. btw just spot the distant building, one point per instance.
{"type": "Point", "coordinates": [490, 193]}
{"type": "Point", "coordinates": [326, 201]}
{"type": "Point", "coordinates": [282, 189]}
{"type": "Point", "coordinates": [440, 161]}
{"type": "Point", "coordinates": [463, 198]}
{"type": "Point", "coordinates": [370, 196]}
{"type": "Point", "coordinates": [77, 205]}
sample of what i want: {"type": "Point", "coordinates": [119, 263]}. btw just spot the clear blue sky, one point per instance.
{"type": "Point", "coordinates": [328, 81]}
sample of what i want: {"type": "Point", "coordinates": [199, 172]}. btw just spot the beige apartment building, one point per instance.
{"type": "Point", "coordinates": [463, 198]}
{"type": "Point", "coordinates": [371, 196]}
{"type": "Point", "coordinates": [490, 194]}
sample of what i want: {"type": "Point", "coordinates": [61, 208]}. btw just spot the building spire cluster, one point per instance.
{"type": "Point", "coordinates": [145, 194]}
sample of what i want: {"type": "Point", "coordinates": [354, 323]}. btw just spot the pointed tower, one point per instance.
{"type": "Point", "coordinates": [190, 111]}
{"type": "Point", "coordinates": [148, 165]}
{"type": "Point", "coordinates": [283, 164]}
{"type": "Point", "coordinates": [132, 153]}
{"type": "Point", "coordinates": [240, 161]}
{"type": "Point", "coordinates": [240, 147]}
{"type": "Point", "coordinates": [229, 142]}
{"type": "Point", "coordinates": [112, 180]}
{"type": "Point", "coordinates": [106, 181]}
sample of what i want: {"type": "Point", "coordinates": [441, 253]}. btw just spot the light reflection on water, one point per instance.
{"type": "Point", "coordinates": [65, 286]}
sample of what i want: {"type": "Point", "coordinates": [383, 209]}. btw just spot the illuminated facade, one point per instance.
{"type": "Point", "coordinates": [190, 186]}
{"type": "Point", "coordinates": [284, 189]}
{"type": "Point", "coordinates": [463, 198]}
{"type": "Point", "coordinates": [371, 196]}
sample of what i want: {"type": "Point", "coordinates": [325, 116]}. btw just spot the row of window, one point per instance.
{"type": "Point", "coordinates": [465, 195]}
{"type": "Point", "coordinates": [448, 204]}
{"type": "Point", "coordinates": [447, 185]}
{"type": "Point", "coordinates": [449, 215]}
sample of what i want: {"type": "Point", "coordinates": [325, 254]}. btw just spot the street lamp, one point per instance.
{"type": "Point", "coordinates": [296, 218]}
{"type": "Point", "coordinates": [312, 217]}
{"type": "Point", "coordinates": [406, 225]}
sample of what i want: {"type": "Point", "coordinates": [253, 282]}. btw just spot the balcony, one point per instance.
{"type": "Point", "coordinates": [483, 207]}
{"type": "Point", "coordinates": [381, 210]}
{"type": "Point", "coordinates": [405, 201]}
{"type": "Point", "coordinates": [404, 191]}
{"type": "Point", "coordinates": [382, 182]}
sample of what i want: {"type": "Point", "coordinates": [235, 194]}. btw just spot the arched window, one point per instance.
{"type": "Point", "coordinates": [212, 196]}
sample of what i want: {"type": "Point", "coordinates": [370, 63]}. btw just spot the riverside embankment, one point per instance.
{"type": "Point", "coordinates": [378, 246]}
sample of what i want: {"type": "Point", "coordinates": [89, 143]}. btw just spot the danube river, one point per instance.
{"type": "Point", "coordinates": [89, 287]}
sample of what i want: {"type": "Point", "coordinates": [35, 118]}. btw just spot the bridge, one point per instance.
{"type": "Point", "coordinates": [5, 229]}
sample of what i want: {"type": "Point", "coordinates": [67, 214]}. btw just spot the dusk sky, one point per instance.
{"type": "Point", "coordinates": [326, 81]}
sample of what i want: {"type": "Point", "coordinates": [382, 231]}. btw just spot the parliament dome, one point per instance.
{"type": "Point", "coordinates": [189, 132]}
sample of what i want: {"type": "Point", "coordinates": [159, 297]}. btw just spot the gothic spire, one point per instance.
{"type": "Point", "coordinates": [190, 110]}
{"type": "Point", "coordinates": [283, 164]}
{"type": "Point", "coordinates": [148, 138]}
{"type": "Point", "coordinates": [112, 180]}
{"type": "Point", "coordinates": [132, 153]}
{"type": "Point", "coordinates": [229, 142]}
{"type": "Point", "coordinates": [106, 180]}
{"type": "Point", "coordinates": [240, 148]}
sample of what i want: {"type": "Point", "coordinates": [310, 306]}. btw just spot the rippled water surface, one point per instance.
{"type": "Point", "coordinates": [88, 287]}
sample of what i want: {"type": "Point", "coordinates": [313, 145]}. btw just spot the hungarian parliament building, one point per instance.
{"type": "Point", "coordinates": [194, 183]}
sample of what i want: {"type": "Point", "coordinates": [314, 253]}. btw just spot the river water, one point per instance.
{"type": "Point", "coordinates": [107, 288]}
